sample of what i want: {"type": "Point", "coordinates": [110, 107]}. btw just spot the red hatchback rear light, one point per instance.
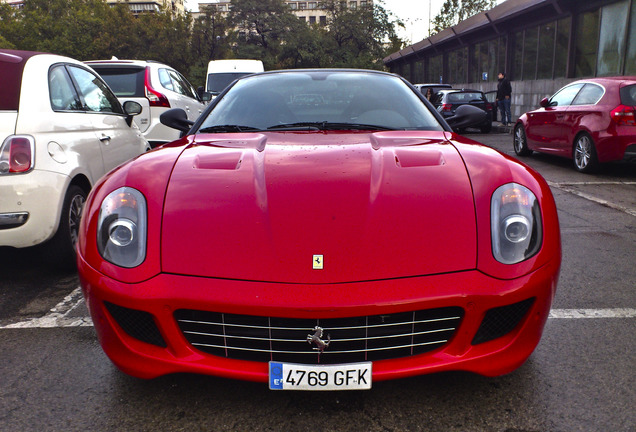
{"type": "Point", "coordinates": [155, 98]}
{"type": "Point", "coordinates": [446, 107]}
{"type": "Point", "coordinates": [624, 115]}
{"type": "Point", "coordinates": [16, 154]}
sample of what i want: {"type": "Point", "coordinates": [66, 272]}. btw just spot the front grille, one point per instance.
{"type": "Point", "coordinates": [354, 339]}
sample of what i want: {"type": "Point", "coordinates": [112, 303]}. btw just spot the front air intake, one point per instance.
{"type": "Point", "coordinates": [501, 321]}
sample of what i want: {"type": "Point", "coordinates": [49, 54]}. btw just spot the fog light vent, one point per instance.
{"type": "Point", "coordinates": [501, 321]}
{"type": "Point", "coordinates": [138, 324]}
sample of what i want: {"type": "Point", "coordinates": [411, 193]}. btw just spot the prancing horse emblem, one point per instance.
{"type": "Point", "coordinates": [316, 339]}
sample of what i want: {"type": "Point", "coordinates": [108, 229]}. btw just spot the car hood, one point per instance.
{"type": "Point", "coordinates": [318, 207]}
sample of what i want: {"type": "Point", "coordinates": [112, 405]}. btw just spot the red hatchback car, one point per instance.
{"type": "Point", "coordinates": [591, 121]}
{"type": "Point", "coordinates": [319, 245]}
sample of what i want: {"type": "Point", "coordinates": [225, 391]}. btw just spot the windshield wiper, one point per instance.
{"type": "Point", "coordinates": [296, 126]}
{"type": "Point", "coordinates": [325, 125]}
{"type": "Point", "coordinates": [228, 128]}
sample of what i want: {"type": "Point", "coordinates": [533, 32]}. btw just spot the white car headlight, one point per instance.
{"type": "Point", "coordinates": [516, 227]}
{"type": "Point", "coordinates": [121, 228]}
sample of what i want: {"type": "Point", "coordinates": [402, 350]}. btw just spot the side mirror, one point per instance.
{"type": "Point", "coordinates": [465, 116]}
{"type": "Point", "coordinates": [545, 102]}
{"type": "Point", "coordinates": [203, 95]}
{"type": "Point", "coordinates": [176, 118]}
{"type": "Point", "coordinates": [131, 108]}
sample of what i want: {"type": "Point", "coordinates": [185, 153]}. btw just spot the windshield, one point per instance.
{"type": "Point", "coordinates": [320, 100]}
{"type": "Point", "coordinates": [218, 81]}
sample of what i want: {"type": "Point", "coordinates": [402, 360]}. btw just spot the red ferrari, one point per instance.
{"type": "Point", "coordinates": [319, 230]}
{"type": "Point", "coordinates": [589, 121]}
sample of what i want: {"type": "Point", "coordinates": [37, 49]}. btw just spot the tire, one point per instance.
{"type": "Point", "coordinates": [486, 128]}
{"type": "Point", "coordinates": [520, 142]}
{"type": "Point", "coordinates": [584, 154]}
{"type": "Point", "coordinates": [60, 250]}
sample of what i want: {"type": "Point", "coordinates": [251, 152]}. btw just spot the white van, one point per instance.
{"type": "Point", "coordinates": [221, 73]}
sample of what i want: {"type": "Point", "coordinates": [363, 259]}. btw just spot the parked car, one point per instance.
{"type": "Point", "coordinates": [590, 121]}
{"type": "Point", "coordinates": [61, 129]}
{"type": "Point", "coordinates": [221, 73]}
{"type": "Point", "coordinates": [491, 96]}
{"type": "Point", "coordinates": [447, 101]}
{"type": "Point", "coordinates": [157, 87]}
{"type": "Point", "coordinates": [423, 88]}
{"type": "Point", "coordinates": [320, 246]}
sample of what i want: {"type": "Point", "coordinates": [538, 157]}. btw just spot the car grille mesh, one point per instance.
{"type": "Point", "coordinates": [354, 339]}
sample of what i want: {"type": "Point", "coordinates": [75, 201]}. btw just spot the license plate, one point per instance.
{"type": "Point", "coordinates": [290, 376]}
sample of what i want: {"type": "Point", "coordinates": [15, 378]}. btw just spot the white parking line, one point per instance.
{"type": "Point", "coordinates": [58, 316]}
{"type": "Point", "coordinates": [567, 187]}
{"type": "Point", "coordinates": [593, 313]}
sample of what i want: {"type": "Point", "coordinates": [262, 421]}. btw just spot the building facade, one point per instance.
{"type": "Point", "coordinates": [308, 11]}
{"type": "Point", "coordinates": [136, 6]}
{"type": "Point", "coordinates": [140, 6]}
{"type": "Point", "coordinates": [540, 44]}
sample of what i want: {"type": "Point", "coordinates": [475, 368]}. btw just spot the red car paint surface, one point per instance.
{"type": "Point", "coordinates": [596, 109]}
{"type": "Point", "coordinates": [400, 218]}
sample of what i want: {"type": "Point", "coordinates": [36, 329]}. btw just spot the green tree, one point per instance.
{"type": "Point", "coordinates": [165, 37]}
{"type": "Point", "coordinates": [455, 11]}
{"type": "Point", "coordinates": [210, 41]}
{"type": "Point", "coordinates": [8, 25]}
{"type": "Point", "coordinates": [58, 26]}
{"type": "Point", "coordinates": [360, 37]}
{"type": "Point", "coordinates": [262, 27]}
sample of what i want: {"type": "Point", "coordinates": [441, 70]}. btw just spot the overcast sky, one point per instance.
{"type": "Point", "coordinates": [414, 13]}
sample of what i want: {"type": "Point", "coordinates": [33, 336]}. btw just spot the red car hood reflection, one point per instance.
{"type": "Point", "coordinates": [318, 207]}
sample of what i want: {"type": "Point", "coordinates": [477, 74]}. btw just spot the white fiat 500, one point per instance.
{"type": "Point", "coordinates": [61, 129]}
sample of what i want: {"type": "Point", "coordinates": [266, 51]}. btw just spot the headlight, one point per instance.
{"type": "Point", "coordinates": [516, 227]}
{"type": "Point", "coordinates": [121, 228]}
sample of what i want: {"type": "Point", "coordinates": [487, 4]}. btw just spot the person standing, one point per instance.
{"type": "Point", "coordinates": [504, 91]}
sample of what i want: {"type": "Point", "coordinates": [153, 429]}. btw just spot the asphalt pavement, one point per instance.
{"type": "Point", "coordinates": [54, 375]}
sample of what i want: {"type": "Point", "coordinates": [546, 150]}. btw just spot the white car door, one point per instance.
{"type": "Point", "coordinates": [119, 137]}
{"type": "Point", "coordinates": [68, 131]}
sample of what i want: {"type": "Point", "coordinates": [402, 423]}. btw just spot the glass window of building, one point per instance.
{"type": "Point", "coordinates": [561, 47]}
{"type": "Point", "coordinates": [612, 39]}
{"type": "Point", "coordinates": [418, 75]}
{"type": "Point", "coordinates": [586, 40]}
{"type": "Point", "coordinates": [530, 50]}
{"type": "Point", "coordinates": [518, 56]}
{"type": "Point", "coordinates": [457, 66]}
{"type": "Point", "coordinates": [323, 20]}
{"type": "Point", "coordinates": [501, 57]}
{"type": "Point", "coordinates": [312, 20]}
{"type": "Point", "coordinates": [630, 57]}
{"type": "Point", "coordinates": [546, 50]}
{"type": "Point", "coordinates": [311, 5]}
{"type": "Point", "coordinates": [480, 62]}
{"type": "Point", "coordinates": [435, 69]}
{"type": "Point", "coordinates": [293, 6]}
